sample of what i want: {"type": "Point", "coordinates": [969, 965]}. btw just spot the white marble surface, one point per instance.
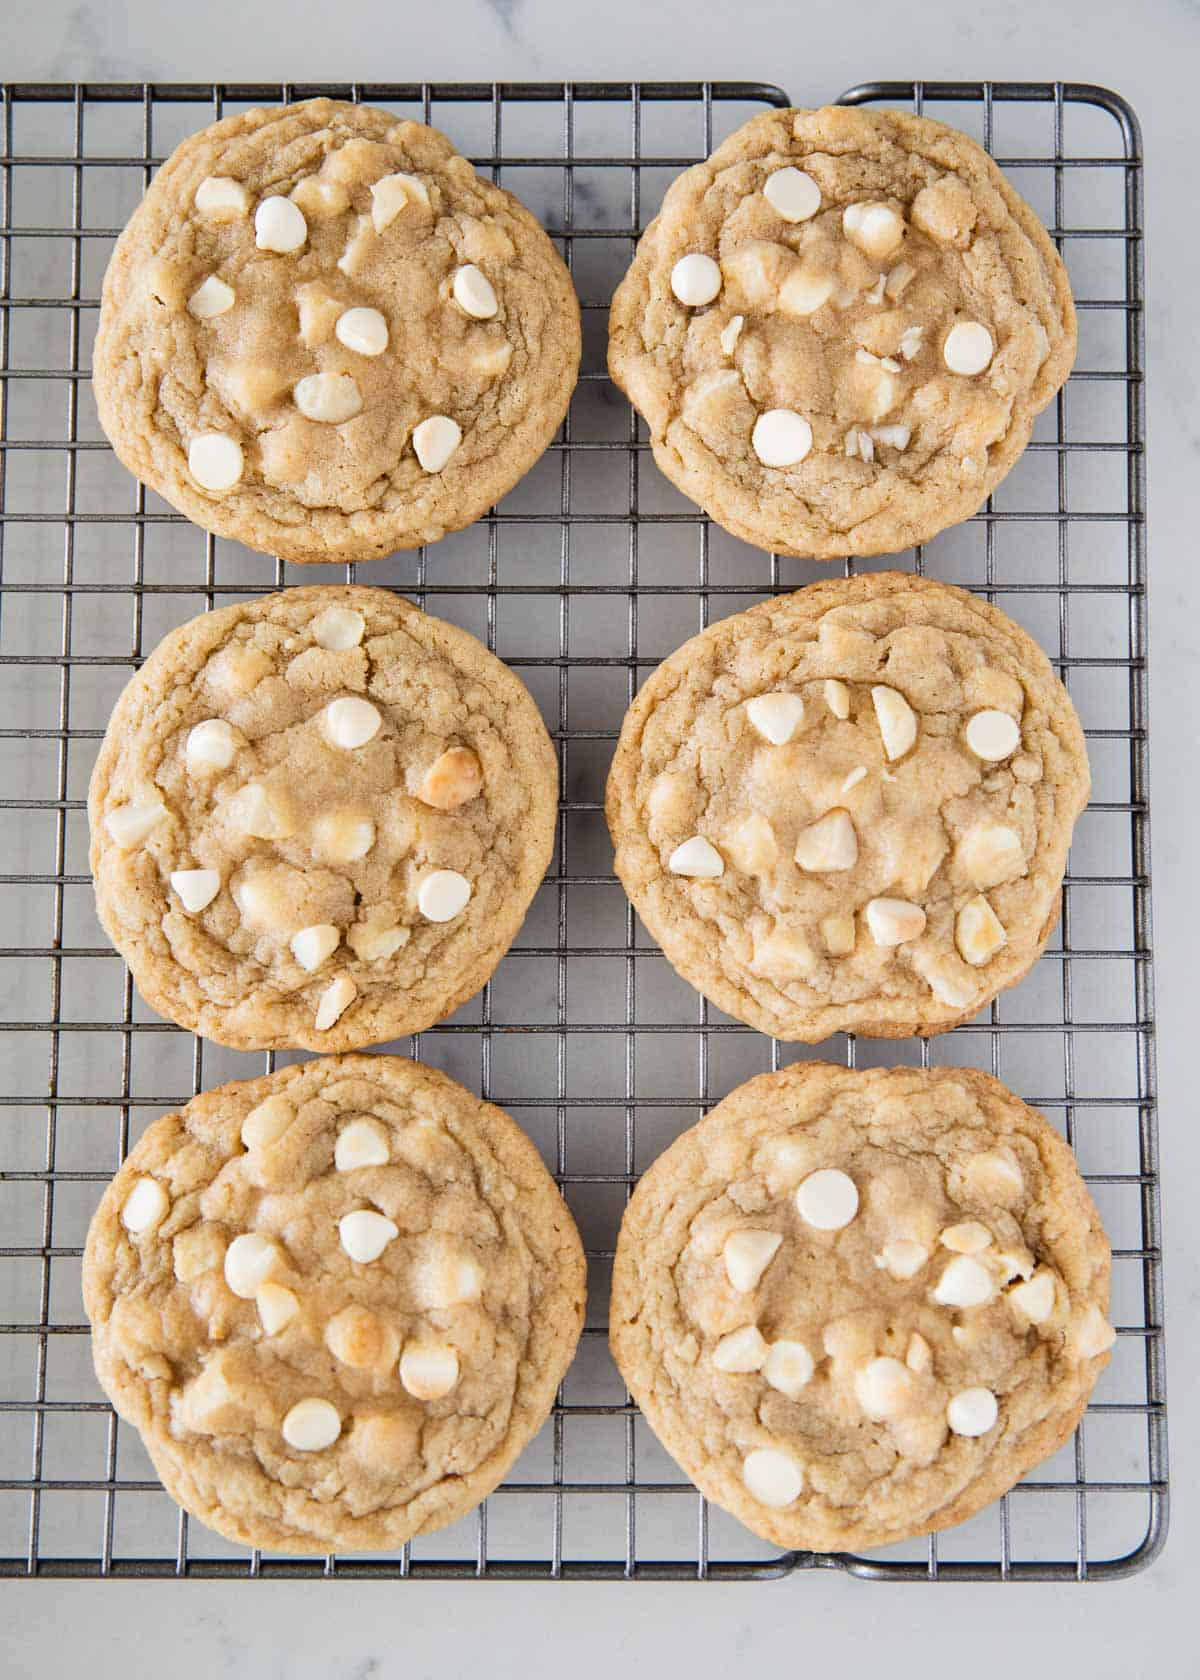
{"type": "Point", "coordinates": [816, 1622]}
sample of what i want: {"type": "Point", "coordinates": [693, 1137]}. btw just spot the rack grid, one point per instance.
{"type": "Point", "coordinates": [582, 579]}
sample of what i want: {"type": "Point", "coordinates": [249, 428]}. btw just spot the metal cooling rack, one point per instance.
{"type": "Point", "coordinates": [589, 573]}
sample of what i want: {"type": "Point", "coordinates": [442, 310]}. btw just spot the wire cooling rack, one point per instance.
{"type": "Point", "coordinates": [583, 579]}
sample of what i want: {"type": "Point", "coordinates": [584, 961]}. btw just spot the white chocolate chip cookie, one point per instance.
{"type": "Point", "coordinates": [323, 335]}
{"type": "Point", "coordinates": [849, 809]}
{"type": "Point", "coordinates": [297, 1390]}
{"type": "Point", "coordinates": [840, 330]}
{"type": "Point", "coordinates": [862, 1382]}
{"type": "Point", "coordinates": [318, 819]}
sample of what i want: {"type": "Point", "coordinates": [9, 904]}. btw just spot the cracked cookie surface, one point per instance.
{"type": "Point", "coordinates": [336, 1302]}
{"type": "Point", "coordinates": [857, 1306]}
{"type": "Point", "coordinates": [323, 335]}
{"type": "Point", "coordinates": [840, 329]}
{"type": "Point", "coordinates": [849, 809]}
{"type": "Point", "coordinates": [318, 819]}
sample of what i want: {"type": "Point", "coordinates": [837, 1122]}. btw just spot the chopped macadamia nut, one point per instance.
{"type": "Point", "coordinates": [747, 1254]}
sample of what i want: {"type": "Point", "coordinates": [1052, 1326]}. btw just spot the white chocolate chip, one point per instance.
{"type": "Point", "coordinates": [746, 1255]}
{"type": "Point", "coordinates": [773, 1478]}
{"type": "Point", "coordinates": [446, 1278]}
{"type": "Point", "coordinates": [805, 290]}
{"type": "Point", "coordinates": [792, 193]}
{"type": "Point", "coordinates": [994, 1176]}
{"type": "Point", "coordinates": [968, 349]}
{"type": "Point", "coordinates": [260, 812]}
{"type": "Point", "coordinates": [781, 438]}
{"type": "Point", "coordinates": [453, 779]}
{"type": "Point", "coordinates": [277, 1307]}
{"type": "Point", "coordinates": [249, 1261]}
{"type": "Point", "coordinates": [343, 836]}
{"type": "Point", "coordinates": [351, 722]}
{"type": "Point", "coordinates": [918, 1355]}
{"type": "Point", "coordinates": [436, 441]}
{"type": "Point", "coordinates": [884, 1389]}
{"type": "Point", "coordinates": [894, 921]}
{"type": "Point", "coordinates": [196, 888]}
{"type": "Point", "coordinates": [328, 397]}
{"type": "Point", "coordinates": [390, 195]}
{"type": "Point", "coordinates": [828, 844]}
{"type": "Point", "coordinates": [695, 280]}
{"type": "Point", "coordinates": [897, 721]}
{"type": "Point", "coordinates": [911, 340]}
{"type": "Point", "coordinates": [839, 934]}
{"type": "Point", "coordinates": [145, 1207]}
{"type": "Point", "coordinates": [212, 745]}
{"type": "Point", "coordinates": [972, 1411]}
{"type": "Point", "coordinates": [267, 1123]}
{"type": "Point", "coordinates": [697, 859]}
{"type": "Point", "coordinates": [338, 628]}
{"type": "Point", "coordinates": [474, 293]}
{"type": "Point", "coordinates": [376, 944]}
{"type": "Point", "coordinates": [363, 1143]}
{"type": "Point", "coordinates": [898, 280]}
{"type": "Point", "coordinates": [993, 735]}
{"type": "Point", "coordinates": [989, 854]}
{"type": "Point", "coordinates": [311, 1425]}
{"type": "Point", "coordinates": [128, 825]}
{"type": "Point", "coordinates": [279, 225]}
{"type": "Point", "coordinates": [967, 1237]}
{"type": "Point", "coordinates": [211, 298]}
{"type": "Point", "coordinates": [730, 333]}
{"type": "Point", "coordinates": [428, 1371]}
{"type": "Point", "coordinates": [837, 697]}
{"type": "Point", "coordinates": [334, 1002]}
{"type": "Point", "coordinates": [215, 460]}
{"type": "Point", "coordinates": [443, 895]}
{"type": "Point", "coordinates": [827, 1200]}
{"type": "Point", "coordinates": [964, 1283]}
{"type": "Point", "coordinates": [776, 716]}
{"type": "Point", "coordinates": [312, 946]}
{"type": "Point", "coordinates": [742, 1350]}
{"type": "Point", "coordinates": [789, 1367]}
{"type": "Point", "coordinates": [363, 330]}
{"type": "Point", "coordinates": [902, 1258]}
{"type": "Point", "coordinates": [365, 1234]}
{"type": "Point", "coordinates": [222, 198]}
{"type": "Point", "coordinates": [320, 198]}
{"type": "Point", "coordinates": [978, 932]}
{"type": "Point", "coordinates": [1091, 1335]}
{"type": "Point", "coordinates": [958, 990]}
{"type": "Point", "coordinates": [875, 228]}
{"type": "Point", "coordinates": [1035, 1298]}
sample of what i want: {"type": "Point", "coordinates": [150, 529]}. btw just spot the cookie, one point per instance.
{"type": "Point", "coordinates": [856, 1307]}
{"type": "Point", "coordinates": [848, 809]}
{"type": "Point", "coordinates": [336, 1302]}
{"type": "Point", "coordinates": [323, 335]}
{"type": "Point", "coordinates": [318, 819]}
{"type": "Point", "coordinates": [840, 330]}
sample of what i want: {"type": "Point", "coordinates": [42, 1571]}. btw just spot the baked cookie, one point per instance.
{"type": "Point", "coordinates": [322, 334]}
{"type": "Point", "coordinates": [336, 1302]}
{"type": "Point", "coordinates": [856, 1307]}
{"type": "Point", "coordinates": [848, 809]}
{"type": "Point", "coordinates": [840, 329]}
{"type": "Point", "coordinates": [318, 819]}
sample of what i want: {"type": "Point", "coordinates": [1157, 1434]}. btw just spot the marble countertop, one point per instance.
{"type": "Point", "coordinates": [816, 1622]}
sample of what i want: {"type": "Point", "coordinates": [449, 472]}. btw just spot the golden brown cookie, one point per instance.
{"type": "Point", "coordinates": [318, 818]}
{"type": "Point", "coordinates": [324, 335]}
{"type": "Point", "coordinates": [336, 1302]}
{"type": "Point", "coordinates": [848, 809]}
{"type": "Point", "coordinates": [840, 329]}
{"type": "Point", "coordinates": [856, 1307]}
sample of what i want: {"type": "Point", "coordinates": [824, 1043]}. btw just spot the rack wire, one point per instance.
{"type": "Point", "coordinates": [583, 578]}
